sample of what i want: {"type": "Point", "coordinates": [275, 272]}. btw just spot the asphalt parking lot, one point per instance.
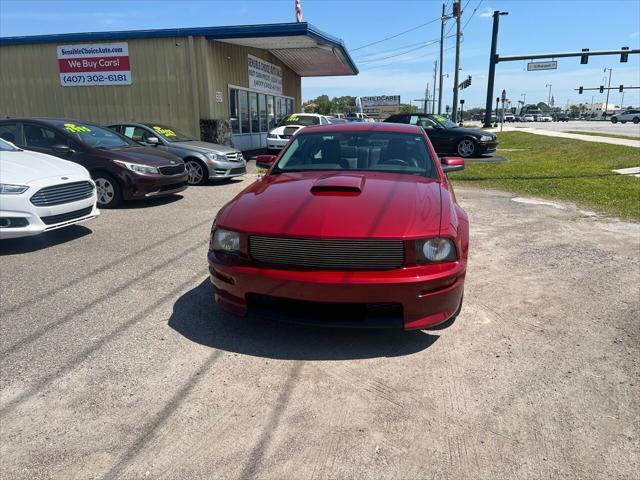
{"type": "Point", "coordinates": [117, 364]}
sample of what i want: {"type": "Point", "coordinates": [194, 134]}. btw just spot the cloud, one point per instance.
{"type": "Point", "coordinates": [487, 12]}
{"type": "Point", "coordinates": [635, 35]}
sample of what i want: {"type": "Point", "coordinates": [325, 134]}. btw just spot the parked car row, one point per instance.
{"type": "Point", "coordinates": [103, 165]}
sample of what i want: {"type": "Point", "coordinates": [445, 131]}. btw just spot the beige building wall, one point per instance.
{"type": "Point", "coordinates": [174, 82]}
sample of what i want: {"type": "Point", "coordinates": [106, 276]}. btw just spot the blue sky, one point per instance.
{"type": "Point", "coordinates": [530, 27]}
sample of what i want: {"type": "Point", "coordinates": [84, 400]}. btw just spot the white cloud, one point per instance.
{"type": "Point", "coordinates": [635, 35]}
{"type": "Point", "coordinates": [487, 12]}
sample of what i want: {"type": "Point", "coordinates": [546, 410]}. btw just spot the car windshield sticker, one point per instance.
{"type": "Point", "coordinates": [440, 118]}
{"type": "Point", "coordinates": [128, 131]}
{"type": "Point", "coordinates": [292, 118]}
{"type": "Point", "coordinates": [165, 131]}
{"type": "Point", "coordinates": [72, 127]}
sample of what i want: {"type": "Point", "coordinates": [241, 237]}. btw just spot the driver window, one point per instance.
{"type": "Point", "coordinates": [427, 123]}
{"type": "Point", "coordinates": [42, 137]}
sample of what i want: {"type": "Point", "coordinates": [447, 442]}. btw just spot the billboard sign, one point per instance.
{"type": "Point", "coordinates": [381, 101]}
{"type": "Point", "coordinates": [534, 66]}
{"type": "Point", "coordinates": [94, 64]}
{"type": "Point", "coordinates": [264, 76]}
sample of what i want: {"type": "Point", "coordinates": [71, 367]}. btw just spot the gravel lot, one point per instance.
{"type": "Point", "coordinates": [115, 363]}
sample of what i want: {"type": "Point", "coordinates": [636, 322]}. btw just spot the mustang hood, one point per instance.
{"type": "Point", "coordinates": [338, 205]}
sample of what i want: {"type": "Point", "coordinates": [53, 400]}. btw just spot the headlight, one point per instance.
{"type": "Point", "coordinates": [272, 135]}
{"type": "Point", "coordinates": [8, 189]}
{"type": "Point", "coordinates": [136, 167]}
{"type": "Point", "coordinates": [225, 240]}
{"type": "Point", "coordinates": [486, 138]}
{"type": "Point", "coordinates": [215, 156]}
{"type": "Point", "coordinates": [434, 250]}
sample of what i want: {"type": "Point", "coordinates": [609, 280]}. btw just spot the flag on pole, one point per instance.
{"type": "Point", "coordinates": [298, 12]}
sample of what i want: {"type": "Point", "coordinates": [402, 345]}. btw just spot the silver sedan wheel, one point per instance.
{"type": "Point", "coordinates": [105, 191]}
{"type": "Point", "coordinates": [195, 172]}
{"type": "Point", "coordinates": [466, 148]}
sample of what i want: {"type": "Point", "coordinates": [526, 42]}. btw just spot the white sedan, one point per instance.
{"type": "Point", "coordinates": [39, 193]}
{"type": "Point", "coordinates": [288, 126]}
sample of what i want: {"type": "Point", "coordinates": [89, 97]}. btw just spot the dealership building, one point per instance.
{"type": "Point", "coordinates": [194, 79]}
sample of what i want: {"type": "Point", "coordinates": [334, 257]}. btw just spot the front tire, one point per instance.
{"type": "Point", "coordinates": [614, 120]}
{"type": "Point", "coordinates": [467, 148]}
{"type": "Point", "coordinates": [108, 190]}
{"type": "Point", "coordinates": [196, 172]}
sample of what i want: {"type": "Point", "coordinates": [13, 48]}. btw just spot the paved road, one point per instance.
{"type": "Point", "coordinates": [115, 363]}
{"type": "Point", "coordinates": [596, 127]}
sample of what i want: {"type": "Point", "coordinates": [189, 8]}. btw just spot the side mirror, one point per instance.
{"type": "Point", "coordinates": [452, 164]}
{"type": "Point", "coordinates": [265, 161]}
{"type": "Point", "coordinates": [63, 150]}
{"type": "Point", "coordinates": [152, 141]}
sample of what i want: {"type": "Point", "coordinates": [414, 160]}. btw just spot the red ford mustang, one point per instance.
{"type": "Point", "coordinates": [353, 225]}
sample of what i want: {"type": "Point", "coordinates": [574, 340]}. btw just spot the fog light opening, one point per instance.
{"type": "Point", "coordinates": [5, 223]}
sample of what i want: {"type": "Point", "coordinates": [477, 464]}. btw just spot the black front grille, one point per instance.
{"type": "Point", "coordinates": [59, 194]}
{"type": "Point", "coordinates": [173, 186]}
{"type": "Point", "coordinates": [172, 169]}
{"type": "Point", "coordinates": [329, 254]}
{"type": "Point", "coordinates": [65, 217]}
{"type": "Point", "coordinates": [235, 171]}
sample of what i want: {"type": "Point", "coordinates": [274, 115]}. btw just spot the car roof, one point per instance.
{"type": "Point", "coordinates": [363, 127]}
{"type": "Point", "coordinates": [49, 120]}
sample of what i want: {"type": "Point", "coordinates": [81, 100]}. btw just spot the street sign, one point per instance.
{"type": "Point", "coordinates": [533, 66]}
{"type": "Point", "coordinates": [503, 96]}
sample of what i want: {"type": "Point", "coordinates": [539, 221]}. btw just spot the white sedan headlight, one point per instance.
{"type": "Point", "coordinates": [436, 250]}
{"type": "Point", "coordinates": [486, 138]}
{"type": "Point", "coordinates": [225, 240]}
{"type": "Point", "coordinates": [9, 189]}
{"type": "Point", "coordinates": [272, 135]}
{"type": "Point", "coordinates": [136, 167]}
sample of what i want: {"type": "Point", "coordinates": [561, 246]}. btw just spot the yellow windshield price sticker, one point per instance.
{"type": "Point", "coordinates": [72, 127]}
{"type": "Point", "coordinates": [292, 118]}
{"type": "Point", "coordinates": [165, 131]}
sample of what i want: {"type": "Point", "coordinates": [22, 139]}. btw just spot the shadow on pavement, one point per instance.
{"type": "Point", "coordinates": [198, 318]}
{"type": "Point", "coordinates": [16, 246]}
{"type": "Point", "coordinates": [149, 203]}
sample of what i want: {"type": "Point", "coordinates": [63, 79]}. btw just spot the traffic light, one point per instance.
{"type": "Point", "coordinates": [621, 88]}
{"type": "Point", "coordinates": [601, 88]}
{"type": "Point", "coordinates": [624, 57]}
{"type": "Point", "coordinates": [580, 89]}
{"type": "Point", "coordinates": [469, 81]}
{"type": "Point", "coordinates": [584, 59]}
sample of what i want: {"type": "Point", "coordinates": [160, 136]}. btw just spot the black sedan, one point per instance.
{"type": "Point", "coordinates": [447, 137]}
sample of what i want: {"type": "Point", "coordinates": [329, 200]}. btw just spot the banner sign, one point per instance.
{"type": "Point", "coordinates": [94, 64]}
{"type": "Point", "coordinates": [264, 76]}
{"type": "Point", "coordinates": [381, 101]}
{"type": "Point", "coordinates": [533, 66]}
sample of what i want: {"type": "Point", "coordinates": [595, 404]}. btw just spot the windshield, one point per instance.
{"type": "Point", "coordinates": [170, 134]}
{"type": "Point", "coordinates": [303, 120]}
{"type": "Point", "coordinates": [358, 151]}
{"type": "Point", "coordinates": [444, 121]}
{"type": "Point", "coordinates": [7, 147]}
{"type": "Point", "coordinates": [97, 137]}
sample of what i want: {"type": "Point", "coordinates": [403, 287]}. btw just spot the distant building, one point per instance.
{"type": "Point", "coordinates": [596, 109]}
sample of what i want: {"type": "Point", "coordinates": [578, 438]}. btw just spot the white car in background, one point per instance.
{"type": "Point", "coordinates": [630, 115]}
{"type": "Point", "coordinates": [544, 117]}
{"type": "Point", "coordinates": [528, 118]}
{"type": "Point", "coordinates": [289, 125]}
{"type": "Point", "coordinates": [39, 192]}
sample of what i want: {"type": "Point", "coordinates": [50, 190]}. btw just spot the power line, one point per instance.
{"type": "Point", "coordinates": [396, 35]}
{"type": "Point", "coordinates": [399, 62]}
{"type": "Point", "coordinates": [375, 57]}
{"type": "Point", "coordinates": [398, 54]}
{"type": "Point", "coordinates": [366, 57]}
{"type": "Point", "coordinates": [472, 14]}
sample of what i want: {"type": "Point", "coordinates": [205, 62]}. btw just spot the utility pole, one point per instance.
{"type": "Point", "coordinates": [548, 85]}
{"type": "Point", "coordinates": [492, 66]}
{"type": "Point", "coordinates": [426, 99]}
{"type": "Point", "coordinates": [606, 105]}
{"type": "Point", "coordinates": [435, 76]}
{"type": "Point", "coordinates": [443, 19]}
{"type": "Point", "coordinates": [457, 13]}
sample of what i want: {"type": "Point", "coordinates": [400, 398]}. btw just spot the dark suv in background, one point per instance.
{"type": "Point", "coordinates": [121, 168]}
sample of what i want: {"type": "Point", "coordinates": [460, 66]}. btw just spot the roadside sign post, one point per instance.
{"type": "Point", "coordinates": [503, 98]}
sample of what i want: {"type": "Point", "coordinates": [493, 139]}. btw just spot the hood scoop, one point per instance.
{"type": "Point", "coordinates": [343, 184]}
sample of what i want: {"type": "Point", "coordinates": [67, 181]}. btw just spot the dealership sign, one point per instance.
{"type": "Point", "coordinates": [264, 76]}
{"type": "Point", "coordinates": [94, 64]}
{"type": "Point", "coordinates": [533, 66]}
